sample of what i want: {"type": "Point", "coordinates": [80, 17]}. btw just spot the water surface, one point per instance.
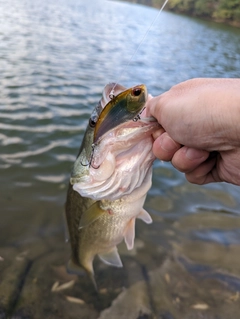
{"type": "Point", "coordinates": [55, 59]}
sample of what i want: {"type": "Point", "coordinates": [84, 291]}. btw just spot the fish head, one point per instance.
{"type": "Point", "coordinates": [118, 155]}
{"type": "Point", "coordinates": [116, 106]}
{"type": "Point", "coordinates": [81, 165]}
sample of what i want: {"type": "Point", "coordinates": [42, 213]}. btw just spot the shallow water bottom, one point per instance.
{"type": "Point", "coordinates": [179, 268]}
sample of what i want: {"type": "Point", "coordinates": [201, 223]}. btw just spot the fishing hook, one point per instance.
{"type": "Point", "coordinates": [138, 117]}
{"type": "Point", "coordinates": [89, 163]}
{"type": "Point", "coordinates": [111, 96]}
{"type": "Point", "coordinates": [84, 164]}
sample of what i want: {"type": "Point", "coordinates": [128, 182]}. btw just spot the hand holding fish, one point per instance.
{"type": "Point", "coordinates": [200, 131]}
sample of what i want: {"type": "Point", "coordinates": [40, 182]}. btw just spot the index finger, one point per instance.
{"type": "Point", "coordinates": [153, 108]}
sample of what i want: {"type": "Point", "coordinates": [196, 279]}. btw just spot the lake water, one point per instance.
{"type": "Point", "coordinates": [55, 59]}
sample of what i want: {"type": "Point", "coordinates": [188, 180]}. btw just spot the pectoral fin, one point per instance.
{"type": "Point", "coordinates": [144, 216]}
{"type": "Point", "coordinates": [91, 214]}
{"type": "Point", "coordinates": [111, 258]}
{"type": "Point", "coordinates": [130, 234]}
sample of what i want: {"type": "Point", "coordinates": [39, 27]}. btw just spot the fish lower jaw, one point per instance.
{"type": "Point", "coordinates": [75, 180]}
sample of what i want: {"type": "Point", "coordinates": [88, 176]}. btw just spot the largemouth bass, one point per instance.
{"type": "Point", "coordinates": [110, 178]}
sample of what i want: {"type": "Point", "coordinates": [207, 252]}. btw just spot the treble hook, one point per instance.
{"type": "Point", "coordinates": [91, 158]}
{"type": "Point", "coordinates": [93, 145]}
{"type": "Point", "coordinates": [136, 118]}
{"type": "Point", "coordinates": [85, 164]}
{"type": "Point", "coordinates": [111, 94]}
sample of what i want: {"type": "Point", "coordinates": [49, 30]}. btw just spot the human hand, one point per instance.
{"type": "Point", "coordinates": [200, 129]}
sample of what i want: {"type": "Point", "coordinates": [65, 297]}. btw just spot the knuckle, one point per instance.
{"type": "Point", "coordinates": [180, 165]}
{"type": "Point", "coordinates": [195, 178]}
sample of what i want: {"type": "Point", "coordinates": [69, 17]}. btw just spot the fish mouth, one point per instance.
{"type": "Point", "coordinates": [76, 177]}
{"type": "Point", "coordinates": [121, 108]}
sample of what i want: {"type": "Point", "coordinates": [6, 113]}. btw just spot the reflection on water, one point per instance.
{"type": "Point", "coordinates": [55, 59]}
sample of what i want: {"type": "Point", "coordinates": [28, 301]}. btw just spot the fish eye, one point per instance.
{"type": "Point", "coordinates": [92, 123]}
{"type": "Point", "coordinates": [136, 91]}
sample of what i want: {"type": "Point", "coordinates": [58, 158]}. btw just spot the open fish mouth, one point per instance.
{"type": "Point", "coordinates": [120, 161]}
{"type": "Point", "coordinates": [111, 112]}
{"type": "Point", "coordinates": [116, 159]}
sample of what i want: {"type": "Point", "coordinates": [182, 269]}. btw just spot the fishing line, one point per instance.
{"type": "Point", "coordinates": [111, 95]}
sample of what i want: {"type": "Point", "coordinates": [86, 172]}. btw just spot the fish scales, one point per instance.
{"type": "Point", "coordinates": [110, 179]}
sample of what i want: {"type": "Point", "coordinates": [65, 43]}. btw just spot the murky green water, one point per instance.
{"type": "Point", "coordinates": [55, 59]}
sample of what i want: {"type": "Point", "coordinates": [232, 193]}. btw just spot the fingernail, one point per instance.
{"type": "Point", "coordinates": [168, 144]}
{"type": "Point", "coordinates": [194, 154]}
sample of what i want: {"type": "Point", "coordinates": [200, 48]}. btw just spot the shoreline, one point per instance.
{"type": "Point", "coordinates": [235, 24]}
{"type": "Point", "coordinates": [194, 14]}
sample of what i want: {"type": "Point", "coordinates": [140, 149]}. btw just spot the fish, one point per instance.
{"type": "Point", "coordinates": [110, 178]}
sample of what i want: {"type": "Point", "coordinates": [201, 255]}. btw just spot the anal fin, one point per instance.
{"type": "Point", "coordinates": [111, 258]}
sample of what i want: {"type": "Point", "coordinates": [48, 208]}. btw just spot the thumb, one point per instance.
{"type": "Point", "coordinates": [153, 107]}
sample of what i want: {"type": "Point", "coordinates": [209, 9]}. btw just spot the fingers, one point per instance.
{"type": "Point", "coordinates": [198, 166]}
{"type": "Point", "coordinates": [164, 146]}
{"type": "Point", "coordinates": [187, 159]}
{"type": "Point", "coordinates": [158, 133]}
{"type": "Point", "coordinates": [205, 173]}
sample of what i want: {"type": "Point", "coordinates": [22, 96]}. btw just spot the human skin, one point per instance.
{"type": "Point", "coordinates": [200, 132]}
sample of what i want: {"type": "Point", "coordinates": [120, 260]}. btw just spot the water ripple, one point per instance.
{"type": "Point", "coordinates": [55, 59]}
{"type": "Point", "coordinates": [20, 155]}
{"type": "Point", "coordinates": [51, 178]}
{"type": "Point", "coordinates": [43, 129]}
{"type": "Point", "coordinates": [26, 115]}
